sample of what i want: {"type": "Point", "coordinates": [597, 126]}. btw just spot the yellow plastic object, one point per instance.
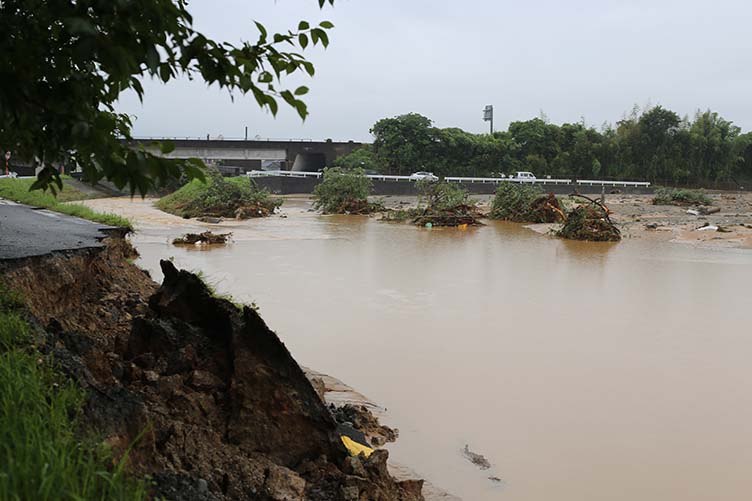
{"type": "Point", "coordinates": [355, 448]}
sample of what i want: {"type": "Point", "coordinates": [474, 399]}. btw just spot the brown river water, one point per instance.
{"type": "Point", "coordinates": [581, 371]}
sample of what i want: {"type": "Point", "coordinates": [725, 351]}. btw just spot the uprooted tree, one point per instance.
{"type": "Point", "coordinates": [63, 66]}
{"type": "Point", "coordinates": [590, 221]}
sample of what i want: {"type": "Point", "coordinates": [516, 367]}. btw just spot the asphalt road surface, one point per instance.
{"type": "Point", "coordinates": [26, 232]}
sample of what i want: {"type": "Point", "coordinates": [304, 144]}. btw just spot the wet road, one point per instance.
{"type": "Point", "coordinates": [27, 232]}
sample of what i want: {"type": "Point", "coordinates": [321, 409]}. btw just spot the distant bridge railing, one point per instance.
{"type": "Point", "coordinates": [456, 179]}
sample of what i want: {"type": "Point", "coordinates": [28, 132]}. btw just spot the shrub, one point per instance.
{"type": "Point", "coordinates": [440, 204]}
{"type": "Point", "coordinates": [525, 204]}
{"type": "Point", "coordinates": [238, 197]}
{"type": "Point", "coordinates": [343, 192]}
{"type": "Point", "coordinates": [441, 196]}
{"type": "Point", "coordinates": [669, 196]}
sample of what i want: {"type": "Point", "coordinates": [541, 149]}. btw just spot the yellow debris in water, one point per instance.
{"type": "Point", "coordinates": [354, 447]}
{"type": "Point", "coordinates": [462, 226]}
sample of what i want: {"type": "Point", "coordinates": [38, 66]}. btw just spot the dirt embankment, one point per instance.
{"type": "Point", "coordinates": [211, 401]}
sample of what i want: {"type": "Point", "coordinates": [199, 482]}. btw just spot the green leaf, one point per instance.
{"type": "Point", "coordinates": [303, 40]}
{"type": "Point", "coordinates": [303, 25]}
{"type": "Point", "coordinates": [262, 30]}
{"type": "Point", "coordinates": [165, 72]}
{"type": "Point", "coordinates": [326, 25]}
{"type": "Point", "coordinates": [152, 58]}
{"type": "Point", "coordinates": [302, 90]}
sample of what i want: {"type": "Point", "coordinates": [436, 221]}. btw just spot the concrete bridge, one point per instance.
{"type": "Point", "coordinates": [247, 155]}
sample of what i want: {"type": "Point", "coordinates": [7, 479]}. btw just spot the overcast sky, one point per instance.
{"type": "Point", "coordinates": [591, 59]}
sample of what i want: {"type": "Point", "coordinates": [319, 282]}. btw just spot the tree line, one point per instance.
{"type": "Point", "coordinates": [654, 144]}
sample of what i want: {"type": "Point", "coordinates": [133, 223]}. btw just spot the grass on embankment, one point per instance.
{"type": "Point", "coordinates": [17, 190]}
{"type": "Point", "coordinates": [41, 455]}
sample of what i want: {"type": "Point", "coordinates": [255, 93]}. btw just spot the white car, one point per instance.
{"type": "Point", "coordinates": [428, 176]}
{"type": "Point", "coordinates": [524, 177]}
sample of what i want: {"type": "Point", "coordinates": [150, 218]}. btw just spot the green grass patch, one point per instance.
{"type": "Point", "coordinates": [220, 197]}
{"type": "Point", "coordinates": [18, 190]}
{"type": "Point", "coordinates": [672, 196]}
{"type": "Point", "coordinates": [42, 457]}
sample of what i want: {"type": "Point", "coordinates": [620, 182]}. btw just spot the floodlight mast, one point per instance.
{"type": "Point", "coordinates": [488, 115]}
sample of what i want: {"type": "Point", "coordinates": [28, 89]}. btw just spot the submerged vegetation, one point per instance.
{"type": "Point", "coordinates": [439, 204]}
{"type": "Point", "coordinates": [525, 204]}
{"type": "Point", "coordinates": [19, 190]}
{"type": "Point", "coordinates": [344, 192]}
{"type": "Point", "coordinates": [42, 456]}
{"type": "Point", "coordinates": [668, 196]}
{"type": "Point", "coordinates": [219, 197]}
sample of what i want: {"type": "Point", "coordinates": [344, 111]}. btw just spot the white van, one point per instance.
{"type": "Point", "coordinates": [524, 177]}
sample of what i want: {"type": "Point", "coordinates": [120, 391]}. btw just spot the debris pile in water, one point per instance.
{"type": "Point", "coordinates": [205, 238]}
{"type": "Point", "coordinates": [590, 222]}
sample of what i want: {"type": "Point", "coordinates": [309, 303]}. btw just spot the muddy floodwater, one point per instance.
{"type": "Point", "coordinates": [582, 372]}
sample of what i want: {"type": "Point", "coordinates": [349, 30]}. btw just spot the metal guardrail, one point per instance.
{"type": "Point", "coordinates": [299, 174]}
{"type": "Point", "coordinates": [455, 179]}
{"type": "Point", "coordinates": [282, 173]}
{"type": "Point", "coordinates": [230, 138]}
{"type": "Point", "coordinates": [498, 180]}
{"type": "Point", "coordinates": [593, 182]}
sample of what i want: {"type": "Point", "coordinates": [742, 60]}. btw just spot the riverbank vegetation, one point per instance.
{"type": "Point", "coordinates": [19, 190]}
{"type": "Point", "coordinates": [654, 144]}
{"type": "Point", "coordinates": [343, 191]}
{"type": "Point", "coordinates": [220, 197]}
{"type": "Point", "coordinates": [668, 196]}
{"type": "Point", "coordinates": [439, 204]}
{"type": "Point", "coordinates": [42, 455]}
{"type": "Point", "coordinates": [525, 204]}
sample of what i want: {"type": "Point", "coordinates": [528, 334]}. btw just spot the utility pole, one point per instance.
{"type": "Point", "coordinates": [488, 115]}
{"type": "Point", "coordinates": [246, 133]}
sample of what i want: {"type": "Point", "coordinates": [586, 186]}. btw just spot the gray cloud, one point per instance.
{"type": "Point", "coordinates": [447, 59]}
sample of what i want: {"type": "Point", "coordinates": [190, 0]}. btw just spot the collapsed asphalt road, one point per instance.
{"type": "Point", "coordinates": [26, 232]}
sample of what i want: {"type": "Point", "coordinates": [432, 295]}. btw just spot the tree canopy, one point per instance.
{"type": "Point", "coordinates": [64, 64]}
{"type": "Point", "coordinates": [655, 145]}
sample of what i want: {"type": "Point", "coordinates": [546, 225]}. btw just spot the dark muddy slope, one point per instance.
{"type": "Point", "coordinates": [211, 400]}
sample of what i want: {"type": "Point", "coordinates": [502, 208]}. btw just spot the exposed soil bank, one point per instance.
{"type": "Point", "coordinates": [211, 401]}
